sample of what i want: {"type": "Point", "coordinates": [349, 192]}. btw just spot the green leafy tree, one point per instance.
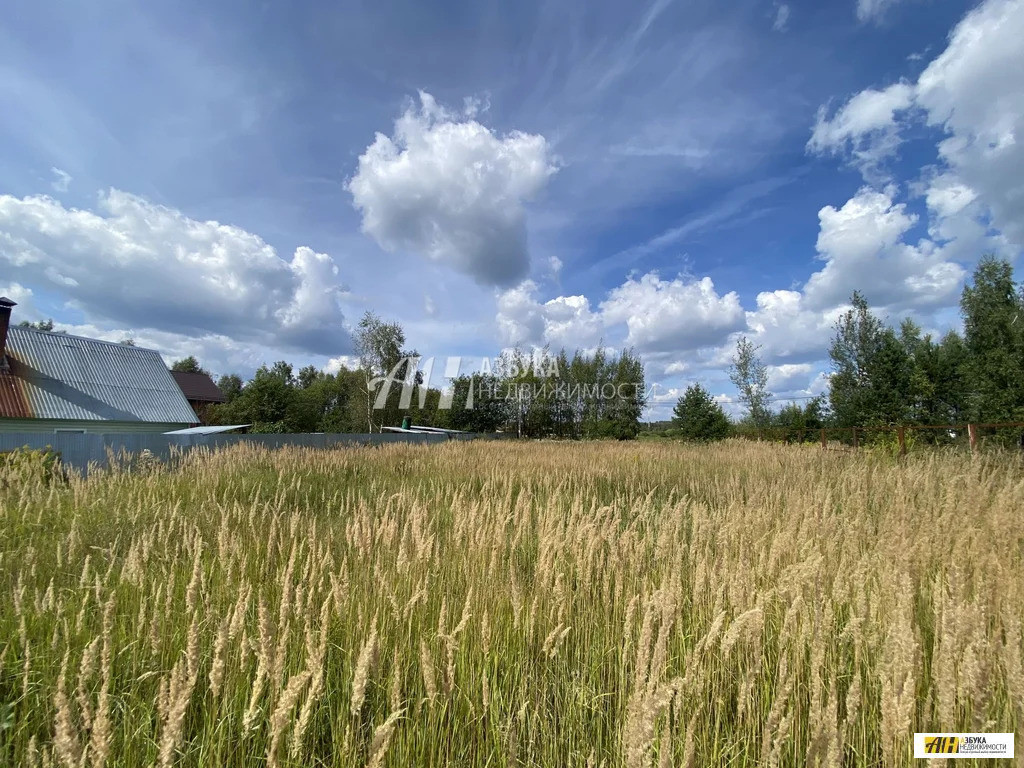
{"type": "Point", "coordinates": [188, 365]}
{"type": "Point", "coordinates": [342, 411]}
{"type": "Point", "coordinates": [801, 422]}
{"type": "Point", "coordinates": [283, 370]}
{"type": "Point", "coordinates": [621, 412]}
{"type": "Point", "coordinates": [562, 416]}
{"type": "Point", "coordinates": [993, 314]}
{"type": "Point", "coordinates": [430, 413]}
{"type": "Point", "coordinates": [326, 404]}
{"type": "Point", "coordinates": [535, 395]}
{"type": "Point", "coordinates": [853, 350]}
{"type": "Point", "coordinates": [522, 384]}
{"type": "Point", "coordinates": [698, 417]}
{"type": "Point", "coordinates": [920, 355]}
{"type": "Point", "coordinates": [936, 383]}
{"type": "Point", "coordinates": [871, 380]}
{"type": "Point", "coordinates": [265, 401]}
{"type": "Point", "coordinates": [381, 348]}
{"type": "Point", "coordinates": [891, 385]}
{"type": "Point", "coordinates": [39, 325]}
{"type": "Point", "coordinates": [307, 376]}
{"type": "Point", "coordinates": [478, 404]}
{"type": "Point", "coordinates": [591, 395]}
{"type": "Point", "coordinates": [949, 384]}
{"type": "Point", "coordinates": [750, 377]}
{"type": "Point", "coordinates": [230, 385]}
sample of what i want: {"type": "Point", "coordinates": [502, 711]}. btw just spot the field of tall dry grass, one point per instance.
{"type": "Point", "coordinates": [509, 604]}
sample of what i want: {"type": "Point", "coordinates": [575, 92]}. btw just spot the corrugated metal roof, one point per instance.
{"type": "Point", "coordinates": [58, 376]}
{"type": "Point", "coordinates": [198, 386]}
{"type": "Point", "coordinates": [208, 430]}
{"type": "Point", "coordinates": [12, 396]}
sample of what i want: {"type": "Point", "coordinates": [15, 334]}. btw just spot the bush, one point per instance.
{"type": "Point", "coordinates": [887, 443]}
{"type": "Point", "coordinates": [268, 428]}
{"type": "Point", "coordinates": [26, 465]}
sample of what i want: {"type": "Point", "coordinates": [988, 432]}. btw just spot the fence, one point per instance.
{"type": "Point", "coordinates": [853, 438]}
{"type": "Point", "coordinates": [80, 451]}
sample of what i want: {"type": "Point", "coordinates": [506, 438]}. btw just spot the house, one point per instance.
{"type": "Point", "coordinates": [55, 382]}
{"type": "Point", "coordinates": [200, 391]}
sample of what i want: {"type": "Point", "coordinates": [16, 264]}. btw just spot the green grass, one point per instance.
{"type": "Point", "coordinates": [906, 580]}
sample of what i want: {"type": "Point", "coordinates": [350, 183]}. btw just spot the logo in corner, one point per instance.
{"type": "Point", "coordinates": [963, 745]}
{"type": "Point", "coordinates": [941, 745]}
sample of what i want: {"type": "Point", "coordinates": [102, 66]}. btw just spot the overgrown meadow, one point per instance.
{"type": "Point", "coordinates": [511, 604]}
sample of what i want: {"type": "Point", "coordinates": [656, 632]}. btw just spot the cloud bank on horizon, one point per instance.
{"type": "Point", "coordinates": [561, 190]}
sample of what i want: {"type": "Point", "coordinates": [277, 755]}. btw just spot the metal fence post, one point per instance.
{"type": "Point", "coordinates": [901, 433]}
{"type": "Point", "coordinates": [855, 442]}
{"type": "Point", "coordinates": [972, 437]}
{"type": "Point", "coordinates": [823, 441]}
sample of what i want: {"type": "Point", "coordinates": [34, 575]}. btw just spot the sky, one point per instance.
{"type": "Point", "coordinates": [242, 181]}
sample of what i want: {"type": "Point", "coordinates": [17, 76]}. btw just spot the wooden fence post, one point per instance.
{"type": "Point", "coordinates": [823, 441]}
{"type": "Point", "coordinates": [901, 433]}
{"type": "Point", "coordinates": [855, 443]}
{"type": "Point", "coordinates": [972, 437]}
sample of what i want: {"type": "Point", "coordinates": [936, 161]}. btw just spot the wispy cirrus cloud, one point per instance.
{"type": "Point", "coordinates": [62, 180]}
{"type": "Point", "coordinates": [781, 18]}
{"type": "Point", "coordinates": [873, 10]}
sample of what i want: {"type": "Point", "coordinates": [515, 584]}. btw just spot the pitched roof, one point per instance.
{"type": "Point", "coordinates": [59, 376]}
{"type": "Point", "coordinates": [198, 386]}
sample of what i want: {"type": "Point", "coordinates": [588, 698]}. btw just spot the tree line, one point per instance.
{"type": "Point", "coordinates": [544, 394]}
{"type": "Point", "coordinates": [884, 375]}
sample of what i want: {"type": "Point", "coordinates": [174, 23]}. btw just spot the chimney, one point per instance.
{"type": "Point", "coordinates": [5, 322]}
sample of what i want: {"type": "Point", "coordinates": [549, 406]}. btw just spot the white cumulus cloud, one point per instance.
{"type": "Point", "coordinates": [147, 266]}
{"type": "Point", "coordinates": [451, 189]}
{"type": "Point", "coordinates": [787, 328]}
{"type": "Point", "coordinates": [653, 315]}
{"type": "Point", "coordinates": [866, 127]}
{"type": "Point", "coordinates": [17, 293]}
{"type": "Point", "coordinates": [862, 245]}
{"type": "Point", "coordinates": [564, 321]}
{"type": "Point", "coordinates": [974, 90]}
{"type": "Point", "coordinates": [789, 377]}
{"type": "Point", "coordinates": [673, 315]}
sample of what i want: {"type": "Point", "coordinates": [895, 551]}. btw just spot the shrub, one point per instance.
{"type": "Point", "coordinates": [24, 465]}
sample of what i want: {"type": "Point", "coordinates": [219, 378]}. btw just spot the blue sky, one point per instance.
{"type": "Point", "coordinates": [242, 182]}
